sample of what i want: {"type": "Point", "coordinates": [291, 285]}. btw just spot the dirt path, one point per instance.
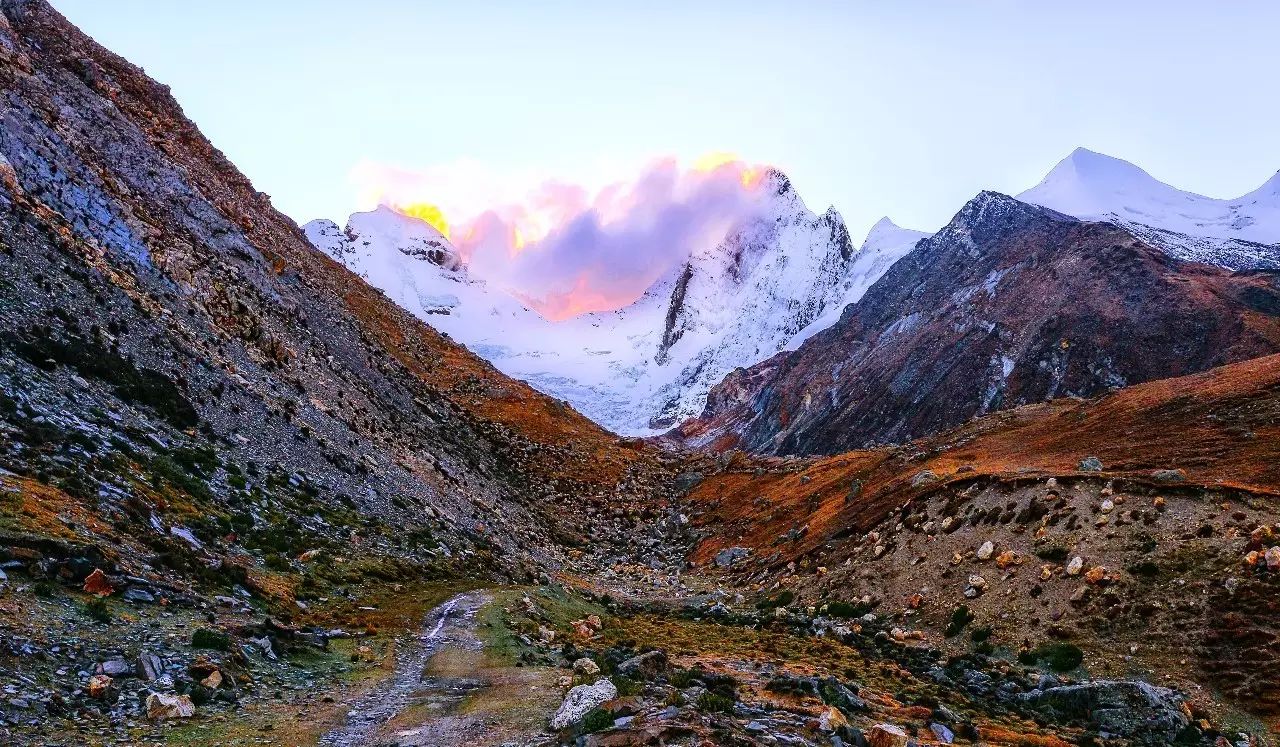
{"type": "Point", "coordinates": [446, 692]}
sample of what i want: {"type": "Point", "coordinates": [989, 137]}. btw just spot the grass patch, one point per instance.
{"type": "Point", "coordinates": [960, 617]}
{"type": "Point", "coordinates": [1060, 657]}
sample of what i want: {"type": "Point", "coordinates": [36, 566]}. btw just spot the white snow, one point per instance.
{"type": "Point", "coordinates": [1236, 233]}
{"type": "Point", "coordinates": [772, 282]}
{"type": "Point", "coordinates": [885, 244]}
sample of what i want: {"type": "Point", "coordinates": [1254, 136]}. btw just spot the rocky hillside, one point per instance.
{"type": "Point", "coordinates": [192, 398]}
{"type": "Point", "coordinates": [1131, 530]}
{"type": "Point", "coordinates": [1009, 304]}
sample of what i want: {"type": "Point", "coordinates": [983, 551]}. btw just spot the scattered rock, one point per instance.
{"type": "Point", "coordinates": [1090, 464]}
{"type": "Point", "coordinates": [645, 666]}
{"type": "Point", "coordinates": [1075, 566]}
{"type": "Point", "coordinates": [581, 700]}
{"type": "Point", "coordinates": [97, 584]}
{"type": "Point", "coordinates": [1169, 475]}
{"type": "Point", "coordinates": [731, 555]}
{"type": "Point", "coordinates": [585, 666]}
{"type": "Point", "coordinates": [1134, 710]}
{"type": "Point", "coordinates": [887, 735]}
{"type": "Point", "coordinates": [985, 551]}
{"type": "Point", "coordinates": [99, 686]}
{"type": "Point", "coordinates": [163, 706]}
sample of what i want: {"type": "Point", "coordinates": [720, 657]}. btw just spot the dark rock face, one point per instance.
{"type": "Point", "coordinates": [1138, 711]}
{"type": "Point", "coordinates": [1009, 304]}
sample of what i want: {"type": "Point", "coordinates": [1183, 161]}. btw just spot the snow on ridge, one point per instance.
{"type": "Point", "coordinates": [643, 368]}
{"type": "Point", "coordinates": [1238, 233]}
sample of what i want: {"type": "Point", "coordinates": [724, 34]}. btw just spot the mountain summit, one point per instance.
{"type": "Point", "coordinates": [775, 279]}
{"type": "Point", "coordinates": [1010, 303]}
{"type": "Point", "coordinates": [1240, 233]}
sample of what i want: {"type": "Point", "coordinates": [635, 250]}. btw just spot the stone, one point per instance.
{"type": "Point", "coordinates": [727, 557]}
{"type": "Point", "coordinates": [151, 667]}
{"type": "Point", "coordinates": [586, 667]}
{"type": "Point", "coordinates": [923, 477]}
{"type": "Point", "coordinates": [1007, 558]}
{"type": "Point", "coordinates": [942, 733]}
{"type": "Point", "coordinates": [1075, 566]}
{"type": "Point", "coordinates": [96, 583]}
{"type": "Point", "coordinates": [1272, 556]}
{"type": "Point", "coordinates": [581, 700]}
{"type": "Point", "coordinates": [163, 706]}
{"type": "Point", "coordinates": [138, 595]}
{"type": "Point", "coordinates": [831, 719]}
{"type": "Point", "coordinates": [213, 680]}
{"type": "Point", "coordinates": [985, 551]}
{"type": "Point", "coordinates": [1135, 710]}
{"type": "Point", "coordinates": [1108, 506]}
{"type": "Point", "coordinates": [645, 666]}
{"type": "Point", "coordinates": [116, 668]}
{"type": "Point", "coordinates": [1096, 574]}
{"type": "Point", "coordinates": [1169, 475]}
{"type": "Point", "coordinates": [887, 735]}
{"type": "Point", "coordinates": [1090, 464]}
{"type": "Point", "coordinates": [99, 686]}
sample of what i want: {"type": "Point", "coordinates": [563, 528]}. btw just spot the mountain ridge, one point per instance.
{"type": "Point", "coordinates": [775, 279]}
{"type": "Point", "coordinates": [946, 333]}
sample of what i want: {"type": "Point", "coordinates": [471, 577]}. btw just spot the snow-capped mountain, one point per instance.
{"type": "Point", "coordinates": [1240, 233]}
{"type": "Point", "coordinates": [772, 282]}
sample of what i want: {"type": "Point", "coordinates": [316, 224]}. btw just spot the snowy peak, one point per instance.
{"type": "Point", "coordinates": [885, 234]}
{"type": "Point", "coordinates": [1268, 193]}
{"type": "Point", "coordinates": [1235, 233]}
{"type": "Point", "coordinates": [782, 272]}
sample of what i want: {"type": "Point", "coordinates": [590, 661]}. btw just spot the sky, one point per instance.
{"type": "Point", "coordinates": [903, 108]}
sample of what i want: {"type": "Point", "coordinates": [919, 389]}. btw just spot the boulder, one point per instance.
{"type": "Point", "coordinates": [152, 666]}
{"type": "Point", "coordinates": [1090, 464]}
{"type": "Point", "coordinates": [730, 555]}
{"type": "Point", "coordinates": [581, 700]}
{"type": "Point", "coordinates": [99, 686]}
{"type": "Point", "coordinates": [163, 706]}
{"type": "Point", "coordinates": [645, 666]}
{"type": "Point", "coordinates": [586, 667]}
{"type": "Point", "coordinates": [887, 735]}
{"type": "Point", "coordinates": [1133, 710]}
{"type": "Point", "coordinates": [831, 719]}
{"type": "Point", "coordinates": [138, 595]}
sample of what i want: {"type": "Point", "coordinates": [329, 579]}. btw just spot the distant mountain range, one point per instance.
{"type": "Point", "coordinates": [1009, 304]}
{"type": "Point", "coordinates": [775, 281]}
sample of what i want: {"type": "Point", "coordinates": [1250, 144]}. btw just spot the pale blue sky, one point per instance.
{"type": "Point", "coordinates": [898, 108]}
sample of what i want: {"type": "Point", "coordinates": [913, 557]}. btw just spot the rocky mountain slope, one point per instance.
{"type": "Point", "coordinates": [1131, 529]}
{"type": "Point", "coordinates": [1009, 304]}
{"type": "Point", "coordinates": [1241, 233]}
{"type": "Point", "coordinates": [775, 280]}
{"type": "Point", "coordinates": [196, 405]}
